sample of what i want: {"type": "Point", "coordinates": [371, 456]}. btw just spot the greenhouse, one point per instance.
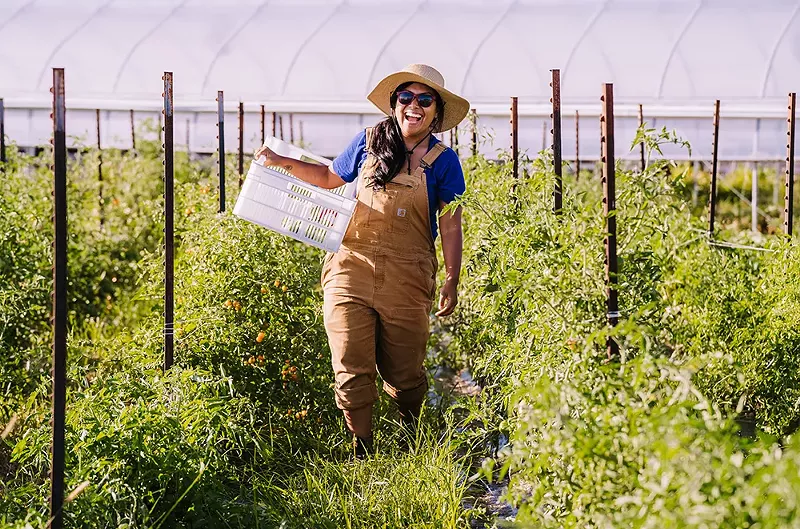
{"type": "Point", "coordinates": [316, 59]}
{"type": "Point", "coordinates": [556, 289]}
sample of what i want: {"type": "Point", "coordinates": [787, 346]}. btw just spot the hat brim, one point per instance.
{"type": "Point", "coordinates": [456, 107]}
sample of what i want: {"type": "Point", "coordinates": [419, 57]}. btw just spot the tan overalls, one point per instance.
{"type": "Point", "coordinates": [379, 288]}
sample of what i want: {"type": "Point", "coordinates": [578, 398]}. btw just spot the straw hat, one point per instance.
{"type": "Point", "coordinates": [455, 107]}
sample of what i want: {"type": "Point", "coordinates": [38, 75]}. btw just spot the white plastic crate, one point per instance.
{"type": "Point", "coordinates": [275, 199]}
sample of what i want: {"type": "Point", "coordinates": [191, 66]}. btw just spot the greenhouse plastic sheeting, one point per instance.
{"type": "Point", "coordinates": [667, 50]}
{"type": "Point", "coordinates": [321, 57]}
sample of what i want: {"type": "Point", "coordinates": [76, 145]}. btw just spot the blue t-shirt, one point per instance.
{"type": "Point", "coordinates": [445, 178]}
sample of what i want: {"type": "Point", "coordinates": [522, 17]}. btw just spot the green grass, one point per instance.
{"type": "Point", "coordinates": [421, 488]}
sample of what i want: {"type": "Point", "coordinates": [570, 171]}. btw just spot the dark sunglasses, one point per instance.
{"type": "Point", "coordinates": [405, 97]}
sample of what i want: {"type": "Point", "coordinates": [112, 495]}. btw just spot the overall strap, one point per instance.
{"type": "Point", "coordinates": [368, 143]}
{"type": "Point", "coordinates": [363, 179]}
{"type": "Point", "coordinates": [430, 157]}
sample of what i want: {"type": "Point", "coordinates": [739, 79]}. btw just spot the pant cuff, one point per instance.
{"type": "Point", "coordinates": [407, 396]}
{"type": "Point", "coordinates": [355, 398]}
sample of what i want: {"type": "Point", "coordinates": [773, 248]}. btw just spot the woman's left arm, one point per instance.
{"type": "Point", "coordinates": [452, 241]}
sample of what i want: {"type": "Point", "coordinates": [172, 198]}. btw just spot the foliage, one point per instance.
{"type": "Point", "coordinates": [142, 441]}
{"type": "Point", "coordinates": [705, 336]}
{"type": "Point", "coordinates": [249, 302]}
{"type": "Point", "coordinates": [636, 445]}
{"type": "Point", "coordinates": [243, 430]}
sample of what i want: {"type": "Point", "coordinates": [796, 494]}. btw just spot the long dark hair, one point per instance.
{"type": "Point", "coordinates": [388, 146]}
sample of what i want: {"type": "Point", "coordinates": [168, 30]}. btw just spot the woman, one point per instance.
{"type": "Point", "coordinates": [379, 286]}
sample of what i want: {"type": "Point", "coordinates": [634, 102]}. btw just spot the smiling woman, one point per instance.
{"type": "Point", "coordinates": [396, 140]}
{"type": "Point", "coordinates": [379, 286]}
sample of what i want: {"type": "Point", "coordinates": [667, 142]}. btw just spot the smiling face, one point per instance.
{"type": "Point", "coordinates": [414, 120]}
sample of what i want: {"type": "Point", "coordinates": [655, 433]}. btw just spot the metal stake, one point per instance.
{"type": "Point", "coordinates": [169, 227]}
{"type": "Point", "coordinates": [788, 209]}
{"type": "Point", "coordinates": [221, 148]}
{"type": "Point", "coordinates": [241, 143]}
{"type": "Point", "coordinates": [133, 133]}
{"type": "Point", "coordinates": [280, 124]}
{"type": "Point", "coordinates": [263, 122]}
{"type": "Point", "coordinates": [514, 139]}
{"type": "Point", "coordinates": [577, 147]}
{"type": "Point", "coordinates": [274, 124]}
{"type": "Point", "coordinates": [556, 136]}
{"type": "Point", "coordinates": [641, 145]}
{"type": "Point", "coordinates": [609, 210]}
{"type": "Point", "coordinates": [59, 370]}
{"type": "Point", "coordinates": [712, 199]}
{"type": "Point", "coordinates": [99, 168]}
{"type": "Point", "coordinates": [754, 197]}
{"type": "Point", "coordinates": [291, 129]}
{"type": "Point", "coordinates": [2, 131]}
{"type": "Point", "coordinates": [474, 120]}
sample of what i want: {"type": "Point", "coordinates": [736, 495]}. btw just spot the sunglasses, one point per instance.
{"type": "Point", "coordinates": [405, 97]}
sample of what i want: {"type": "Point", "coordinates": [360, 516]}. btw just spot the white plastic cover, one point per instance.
{"type": "Point", "coordinates": [336, 50]}
{"type": "Point", "coordinates": [321, 57]}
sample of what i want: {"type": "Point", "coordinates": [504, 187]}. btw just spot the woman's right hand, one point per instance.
{"type": "Point", "coordinates": [313, 173]}
{"type": "Point", "coordinates": [271, 157]}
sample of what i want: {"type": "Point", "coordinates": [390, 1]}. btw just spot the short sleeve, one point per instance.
{"type": "Point", "coordinates": [348, 163]}
{"type": "Point", "coordinates": [450, 179]}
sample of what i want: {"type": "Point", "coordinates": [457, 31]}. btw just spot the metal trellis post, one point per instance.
{"type": "Point", "coordinates": [59, 369]}
{"type": "Point", "coordinates": [455, 138]}
{"type": "Point", "coordinates": [474, 121]}
{"type": "Point", "coordinates": [99, 168]}
{"type": "Point", "coordinates": [291, 129]}
{"type": "Point", "coordinates": [788, 210]}
{"type": "Point", "coordinates": [754, 197]}
{"type": "Point", "coordinates": [514, 139]}
{"type": "Point", "coordinates": [641, 145]}
{"type": "Point", "coordinates": [2, 131]}
{"type": "Point", "coordinates": [241, 142]}
{"type": "Point", "coordinates": [712, 199]}
{"type": "Point", "coordinates": [221, 148]}
{"type": "Point", "coordinates": [133, 132]}
{"type": "Point", "coordinates": [577, 147]}
{"type": "Point", "coordinates": [263, 124]}
{"type": "Point", "coordinates": [556, 136]}
{"type": "Point", "coordinates": [169, 212]}
{"type": "Point", "coordinates": [280, 125]}
{"type": "Point", "coordinates": [274, 124]}
{"type": "Point", "coordinates": [609, 210]}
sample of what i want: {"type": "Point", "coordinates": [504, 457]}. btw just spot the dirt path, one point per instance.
{"type": "Point", "coordinates": [450, 384]}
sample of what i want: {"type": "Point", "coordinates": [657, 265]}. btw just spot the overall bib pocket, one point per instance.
{"type": "Point", "coordinates": [389, 209]}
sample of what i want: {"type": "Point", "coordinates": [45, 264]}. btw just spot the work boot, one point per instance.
{"type": "Point", "coordinates": [409, 420]}
{"type": "Point", "coordinates": [362, 447]}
